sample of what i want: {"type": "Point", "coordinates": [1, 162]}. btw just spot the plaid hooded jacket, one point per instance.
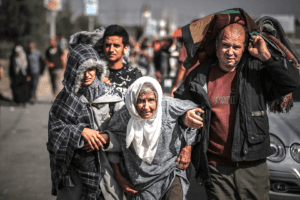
{"type": "Point", "coordinates": [67, 119]}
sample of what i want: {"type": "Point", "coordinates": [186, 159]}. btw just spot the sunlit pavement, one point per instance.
{"type": "Point", "coordinates": [25, 165]}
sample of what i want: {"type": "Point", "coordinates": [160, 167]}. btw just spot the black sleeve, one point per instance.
{"type": "Point", "coordinates": [47, 56]}
{"type": "Point", "coordinates": [283, 76]}
{"type": "Point", "coordinates": [11, 68]}
{"type": "Point", "coordinates": [138, 74]}
{"type": "Point", "coordinates": [157, 60]}
{"type": "Point", "coordinates": [28, 67]}
{"type": "Point", "coordinates": [42, 64]}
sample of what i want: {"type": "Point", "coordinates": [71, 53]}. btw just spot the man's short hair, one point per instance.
{"type": "Point", "coordinates": [116, 30]}
{"type": "Point", "coordinates": [245, 31]}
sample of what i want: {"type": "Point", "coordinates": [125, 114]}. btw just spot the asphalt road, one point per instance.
{"type": "Point", "coordinates": [24, 160]}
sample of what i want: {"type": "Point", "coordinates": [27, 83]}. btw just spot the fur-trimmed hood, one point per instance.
{"type": "Point", "coordinates": [81, 58]}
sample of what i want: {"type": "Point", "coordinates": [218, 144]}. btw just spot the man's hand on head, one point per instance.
{"type": "Point", "coordinates": [258, 48]}
{"type": "Point", "coordinates": [191, 119]}
{"type": "Point", "coordinates": [92, 139]}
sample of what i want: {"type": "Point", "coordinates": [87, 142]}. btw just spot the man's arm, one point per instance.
{"type": "Point", "coordinates": [138, 74]}
{"type": "Point", "coordinates": [179, 76]}
{"type": "Point", "coordinates": [285, 77]}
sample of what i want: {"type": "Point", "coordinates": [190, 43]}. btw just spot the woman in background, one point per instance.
{"type": "Point", "coordinates": [19, 75]}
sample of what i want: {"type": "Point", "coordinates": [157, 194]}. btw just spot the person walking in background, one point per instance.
{"type": "Point", "coordinates": [54, 63]}
{"type": "Point", "coordinates": [145, 56]}
{"type": "Point", "coordinates": [62, 44]}
{"type": "Point", "coordinates": [232, 88]}
{"type": "Point", "coordinates": [1, 77]}
{"type": "Point", "coordinates": [19, 74]}
{"type": "Point", "coordinates": [174, 54]}
{"type": "Point", "coordinates": [37, 66]}
{"type": "Point", "coordinates": [157, 58]}
{"type": "Point", "coordinates": [165, 57]}
{"type": "Point", "coordinates": [116, 44]}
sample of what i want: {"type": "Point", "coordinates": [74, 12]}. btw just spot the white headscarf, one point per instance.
{"type": "Point", "coordinates": [138, 128]}
{"type": "Point", "coordinates": [20, 61]}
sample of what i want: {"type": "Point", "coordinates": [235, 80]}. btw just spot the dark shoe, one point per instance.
{"type": "Point", "coordinates": [32, 100]}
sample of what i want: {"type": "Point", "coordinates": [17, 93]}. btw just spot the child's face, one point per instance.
{"type": "Point", "coordinates": [89, 76]}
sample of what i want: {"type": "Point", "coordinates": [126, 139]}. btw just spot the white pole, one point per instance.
{"type": "Point", "coordinates": [53, 24]}
{"type": "Point", "coordinates": [91, 23]}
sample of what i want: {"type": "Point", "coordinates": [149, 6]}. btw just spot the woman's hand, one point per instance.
{"type": "Point", "coordinates": [126, 186]}
{"type": "Point", "coordinates": [92, 139]}
{"type": "Point", "coordinates": [184, 157]}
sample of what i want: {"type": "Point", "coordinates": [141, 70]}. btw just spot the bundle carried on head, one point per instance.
{"type": "Point", "coordinates": [200, 36]}
{"type": "Point", "coordinates": [200, 41]}
{"type": "Point", "coordinates": [272, 32]}
{"type": "Point", "coordinates": [95, 39]}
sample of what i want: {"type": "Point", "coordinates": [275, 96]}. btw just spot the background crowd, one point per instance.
{"type": "Point", "coordinates": [155, 57]}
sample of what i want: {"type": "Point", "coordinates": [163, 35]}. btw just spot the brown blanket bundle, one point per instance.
{"type": "Point", "coordinates": [199, 40]}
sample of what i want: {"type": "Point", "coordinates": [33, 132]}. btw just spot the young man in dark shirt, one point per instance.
{"type": "Point", "coordinates": [54, 63]}
{"type": "Point", "coordinates": [116, 44]}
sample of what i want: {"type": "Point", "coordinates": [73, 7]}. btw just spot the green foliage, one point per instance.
{"type": "Point", "coordinates": [64, 24]}
{"type": "Point", "coordinates": [82, 23]}
{"type": "Point", "coordinates": [22, 21]}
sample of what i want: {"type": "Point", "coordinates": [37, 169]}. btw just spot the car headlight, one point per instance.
{"type": "Point", "coordinates": [278, 149]}
{"type": "Point", "coordinates": [295, 152]}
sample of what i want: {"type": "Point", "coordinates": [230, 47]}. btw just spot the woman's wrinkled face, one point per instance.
{"type": "Point", "coordinates": [89, 76]}
{"type": "Point", "coordinates": [146, 104]}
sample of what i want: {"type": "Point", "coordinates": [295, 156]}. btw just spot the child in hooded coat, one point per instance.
{"type": "Point", "coordinates": [75, 173]}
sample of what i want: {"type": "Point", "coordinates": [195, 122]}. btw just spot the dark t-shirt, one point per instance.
{"type": "Point", "coordinates": [121, 79]}
{"type": "Point", "coordinates": [53, 55]}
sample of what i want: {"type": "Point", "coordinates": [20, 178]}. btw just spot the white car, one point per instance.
{"type": "Point", "coordinates": [284, 164]}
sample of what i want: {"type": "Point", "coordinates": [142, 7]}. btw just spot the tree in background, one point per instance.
{"type": "Point", "coordinates": [82, 23]}
{"type": "Point", "coordinates": [22, 21]}
{"type": "Point", "coordinates": [64, 23]}
{"type": "Point", "coordinates": [67, 25]}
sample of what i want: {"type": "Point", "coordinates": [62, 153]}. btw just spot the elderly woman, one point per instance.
{"type": "Point", "coordinates": [79, 112]}
{"type": "Point", "coordinates": [156, 146]}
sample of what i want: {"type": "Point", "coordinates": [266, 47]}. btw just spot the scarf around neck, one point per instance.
{"type": "Point", "coordinates": [143, 133]}
{"type": "Point", "coordinates": [92, 91]}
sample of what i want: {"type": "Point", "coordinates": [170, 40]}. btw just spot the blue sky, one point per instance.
{"type": "Point", "coordinates": [186, 10]}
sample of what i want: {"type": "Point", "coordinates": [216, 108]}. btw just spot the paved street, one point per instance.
{"type": "Point", "coordinates": [24, 166]}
